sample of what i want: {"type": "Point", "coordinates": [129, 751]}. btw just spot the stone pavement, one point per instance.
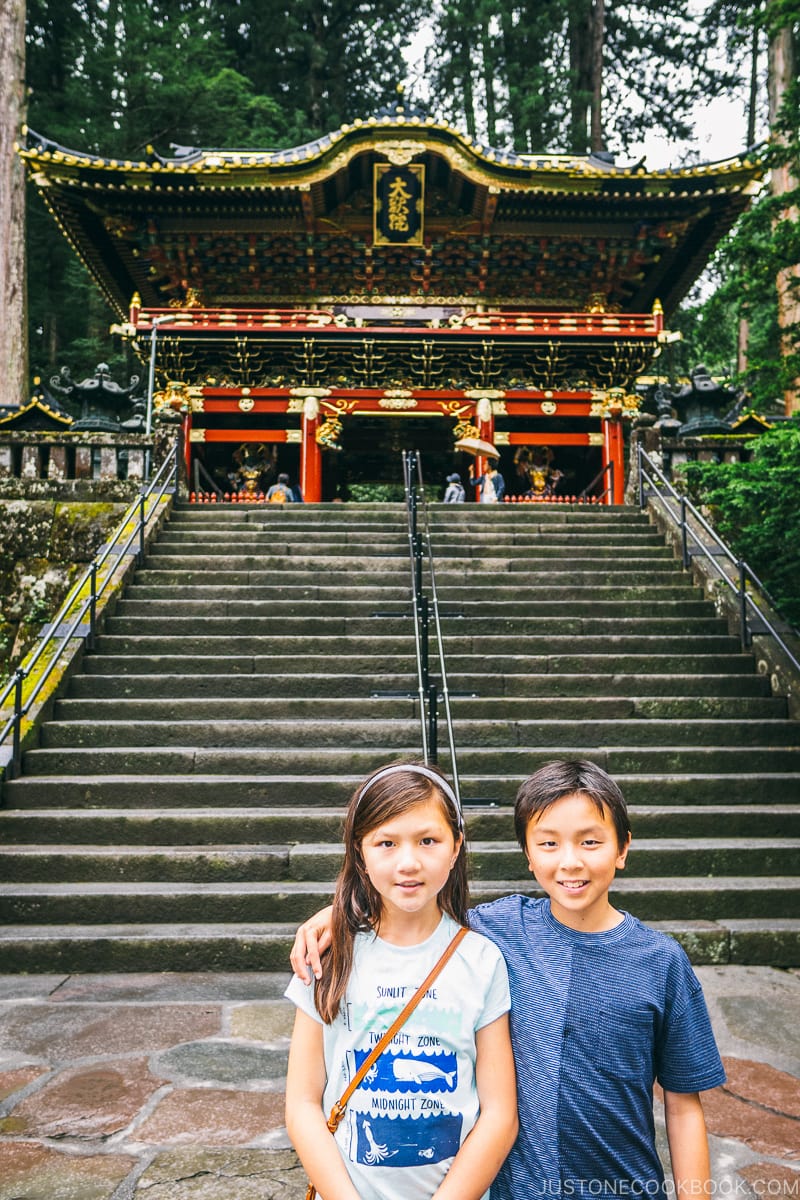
{"type": "Point", "coordinates": [170, 1087]}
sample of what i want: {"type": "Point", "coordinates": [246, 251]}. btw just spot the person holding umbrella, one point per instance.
{"type": "Point", "coordinates": [491, 483]}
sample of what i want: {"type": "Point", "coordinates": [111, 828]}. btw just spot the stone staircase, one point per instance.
{"type": "Point", "coordinates": [184, 806]}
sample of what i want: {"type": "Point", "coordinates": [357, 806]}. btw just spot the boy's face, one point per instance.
{"type": "Point", "coordinates": [572, 850]}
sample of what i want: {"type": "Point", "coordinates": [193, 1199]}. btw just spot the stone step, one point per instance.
{"type": "Point", "coordinates": [365, 757]}
{"type": "Point", "coordinates": [447, 515]}
{"type": "Point", "coordinates": [304, 861]}
{"type": "Point", "coordinates": [377, 558]}
{"type": "Point", "coordinates": [450, 573]}
{"type": "Point", "coordinates": [66, 949]}
{"type": "Point", "coordinates": [326, 544]}
{"type": "Point", "coordinates": [649, 898]}
{"type": "Point", "coordinates": [669, 620]}
{"type": "Point", "coordinates": [175, 793]}
{"type": "Point", "coordinates": [505, 601]}
{"type": "Point", "coordinates": [265, 827]}
{"type": "Point", "coordinates": [222, 687]}
{"type": "Point", "coordinates": [348, 708]}
{"type": "Point", "coordinates": [280, 732]}
{"type": "Point", "coordinates": [379, 668]}
{"type": "Point", "coordinates": [491, 647]}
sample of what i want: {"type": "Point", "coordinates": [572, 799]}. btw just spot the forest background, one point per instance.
{"type": "Point", "coordinates": [113, 77]}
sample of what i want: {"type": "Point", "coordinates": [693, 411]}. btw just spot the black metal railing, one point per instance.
{"type": "Point", "coordinates": [699, 539]}
{"type": "Point", "coordinates": [78, 613]}
{"type": "Point", "coordinates": [608, 469]}
{"type": "Point", "coordinates": [426, 615]}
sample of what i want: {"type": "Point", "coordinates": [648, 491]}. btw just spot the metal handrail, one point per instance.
{"type": "Point", "coordinates": [413, 463]}
{"type": "Point", "coordinates": [418, 601]}
{"type": "Point", "coordinates": [649, 472]}
{"type": "Point", "coordinates": [608, 469]}
{"type": "Point", "coordinates": [64, 626]}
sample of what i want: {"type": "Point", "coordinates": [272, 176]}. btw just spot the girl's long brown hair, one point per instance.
{"type": "Point", "coordinates": [356, 903]}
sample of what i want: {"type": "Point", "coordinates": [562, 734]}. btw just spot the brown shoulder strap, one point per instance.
{"type": "Point", "coordinates": [337, 1112]}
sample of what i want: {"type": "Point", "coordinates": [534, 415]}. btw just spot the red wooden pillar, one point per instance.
{"type": "Point", "coordinates": [613, 453]}
{"type": "Point", "coordinates": [186, 428]}
{"type": "Point", "coordinates": [486, 434]}
{"type": "Point", "coordinates": [310, 461]}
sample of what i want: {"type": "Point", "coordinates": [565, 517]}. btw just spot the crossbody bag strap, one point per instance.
{"type": "Point", "coordinates": [337, 1112]}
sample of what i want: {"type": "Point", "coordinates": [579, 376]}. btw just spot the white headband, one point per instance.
{"type": "Point", "coordinates": [417, 769]}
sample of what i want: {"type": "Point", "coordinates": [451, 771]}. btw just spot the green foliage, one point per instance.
{"type": "Point", "coordinates": [117, 77]}
{"type": "Point", "coordinates": [755, 507]}
{"type": "Point", "coordinates": [376, 493]}
{"type": "Point", "coordinates": [521, 74]}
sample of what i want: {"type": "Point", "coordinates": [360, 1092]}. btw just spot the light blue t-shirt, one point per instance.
{"type": "Point", "coordinates": [596, 1018]}
{"type": "Point", "coordinates": [405, 1122]}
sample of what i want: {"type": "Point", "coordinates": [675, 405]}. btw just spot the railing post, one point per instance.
{"type": "Point", "coordinates": [141, 527]}
{"type": "Point", "coordinates": [424, 630]}
{"type": "Point", "coordinates": [16, 744]}
{"type": "Point", "coordinates": [640, 476]}
{"type": "Point", "coordinates": [742, 597]}
{"type": "Point", "coordinates": [418, 565]}
{"type": "Point", "coordinates": [92, 604]}
{"type": "Point", "coordinates": [684, 536]}
{"type": "Point", "coordinates": [433, 723]}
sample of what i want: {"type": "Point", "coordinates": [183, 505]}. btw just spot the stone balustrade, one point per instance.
{"type": "Point", "coordinates": [79, 465]}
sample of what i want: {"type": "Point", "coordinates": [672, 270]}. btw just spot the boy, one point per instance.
{"type": "Point", "coordinates": [601, 1006]}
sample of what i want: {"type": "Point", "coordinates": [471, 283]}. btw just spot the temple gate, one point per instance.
{"type": "Point", "coordinates": [394, 269]}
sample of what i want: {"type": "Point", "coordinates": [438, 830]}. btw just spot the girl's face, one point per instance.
{"type": "Point", "coordinates": [408, 859]}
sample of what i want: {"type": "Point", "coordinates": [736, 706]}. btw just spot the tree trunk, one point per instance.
{"type": "Point", "coordinates": [597, 141]}
{"type": "Point", "coordinates": [13, 331]}
{"type": "Point", "coordinates": [782, 66]}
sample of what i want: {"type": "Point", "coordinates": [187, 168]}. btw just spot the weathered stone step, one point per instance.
{"type": "Point", "coordinates": [238, 946]}
{"type": "Point", "coordinates": [363, 758]}
{"type": "Point", "coordinates": [380, 667]}
{"type": "Point", "coordinates": [449, 573]}
{"type": "Point", "coordinates": [377, 558]}
{"type": "Point", "coordinates": [506, 601]}
{"type": "Point", "coordinates": [446, 515]}
{"type": "Point", "coordinates": [324, 543]}
{"type": "Point", "coordinates": [264, 826]}
{"type": "Point", "coordinates": [651, 857]}
{"type": "Point", "coordinates": [258, 947]}
{"type": "Point", "coordinates": [491, 647]}
{"type": "Point", "coordinates": [670, 618]}
{"type": "Point", "coordinates": [280, 732]}
{"type": "Point", "coordinates": [223, 791]}
{"type": "Point", "coordinates": [328, 685]}
{"type": "Point", "coordinates": [661, 898]}
{"type": "Point", "coordinates": [531, 707]}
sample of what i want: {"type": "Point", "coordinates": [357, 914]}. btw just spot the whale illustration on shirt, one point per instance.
{"type": "Point", "coordinates": [418, 1070]}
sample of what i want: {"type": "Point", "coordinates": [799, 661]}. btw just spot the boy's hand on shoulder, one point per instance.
{"type": "Point", "coordinates": [311, 941]}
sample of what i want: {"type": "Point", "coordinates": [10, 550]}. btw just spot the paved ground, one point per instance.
{"type": "Point", "coordinates": [170, 1087]}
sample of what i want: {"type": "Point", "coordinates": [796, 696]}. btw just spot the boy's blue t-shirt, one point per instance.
{"type": "Point", "coordinates": [595, 1019]}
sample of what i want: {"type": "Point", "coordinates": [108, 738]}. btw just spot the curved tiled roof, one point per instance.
{"type": "Point", "coordinates": [257, 226]}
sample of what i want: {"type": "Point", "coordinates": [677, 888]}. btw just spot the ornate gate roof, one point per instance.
{"type": "Point", "coordinates": [244, 228]}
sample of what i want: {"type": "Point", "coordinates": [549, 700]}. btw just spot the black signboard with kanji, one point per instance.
{"type": "Point", "coordinates": [398, 205]}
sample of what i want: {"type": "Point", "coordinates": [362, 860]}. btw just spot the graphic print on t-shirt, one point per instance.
{"type": "Point", "coordinates": [407, 1121]}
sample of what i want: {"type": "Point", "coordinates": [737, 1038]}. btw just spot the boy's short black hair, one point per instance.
{"type": "Point", "coordinates": [564, 777]}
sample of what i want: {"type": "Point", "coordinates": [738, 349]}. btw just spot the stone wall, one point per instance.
{"type": "Point", "coordinates": [45, 545]}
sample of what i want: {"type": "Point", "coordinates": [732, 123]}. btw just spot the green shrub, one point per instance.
{"type": "Point", "coordinates": [755, 508]}
{"type": "Point", "coordinates": [381, 493]}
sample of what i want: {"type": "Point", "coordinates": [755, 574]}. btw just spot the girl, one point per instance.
{"type": "Point", "coordinates": [436, 1114]}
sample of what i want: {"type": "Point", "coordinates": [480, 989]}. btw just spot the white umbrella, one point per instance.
{"type": "Point", "coordinates": [476, 446]}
